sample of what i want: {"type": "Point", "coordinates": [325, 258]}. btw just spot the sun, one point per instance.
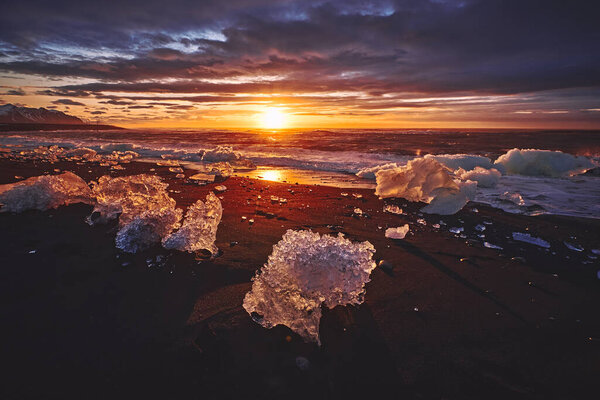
{"type": "Point", "coordinates": [273, 118]}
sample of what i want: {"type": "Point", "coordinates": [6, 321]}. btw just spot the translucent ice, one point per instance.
{"type": "Point", "coordinates": [199, 228]}
{"type": "Point", "coordinates": [221, 153]}
{"type": "Point", "coordinates": [464, 161]}
{"type": "Point", "coordinates": [305, 271]}
{"type": "Point", "coordinates": [392, 209]}
{"type": "Point", "coordinates": [397, 233]}
{"type": "Point", "coordinates": [129, 196]}
{"type": "Point", "coordinates": [369, 173]}
{"type": "Point", "coordinates": [527, 238]}
{"type": "Point", "coordinates": [44, 192]}
{"type": "Point", "coordinates": [491, 246]}
{"type": "Point", "coordinates": [542, 163]}
{"type": "Point", "coordinates": [574, 247]}
{"type": "Point", "coordinates": [147, 228]}
{"type": "Point", "coordinates": [426, 180]}
{"type": "Point", "coordinates": [484, 177]}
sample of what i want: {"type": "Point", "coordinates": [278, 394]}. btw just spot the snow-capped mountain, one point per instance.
{"type": "Point", "coordinates": [11, 114]}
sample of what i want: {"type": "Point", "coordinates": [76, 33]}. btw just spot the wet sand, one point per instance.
{"type": "Point", "coordinates": [452, 319]}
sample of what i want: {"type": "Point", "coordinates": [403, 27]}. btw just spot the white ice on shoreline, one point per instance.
{"type": "Point", "coordinates": [527, 238]}
{"type": "Point", "coordinates": [397, 233]}
{"type": "Point", "coordinates": [199, 228]}
{"type": "Point", "coordinates": [484, 177]}
{"type": "Point", "coordinates": [425, 179]}
{"type": "Point", "coordinates": [305, 271]}
{"type": "Point", "coordinates": [535, 162]}
{"type": "Point", "coordinates": [44, 192]}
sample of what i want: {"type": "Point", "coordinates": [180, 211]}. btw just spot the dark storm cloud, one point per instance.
{"type": "Point", "coordinates": [381, 48]}
{"type": "Point", "coordinates": [15, 92]}
{"type": "Point", "coordinates": [68, 102]}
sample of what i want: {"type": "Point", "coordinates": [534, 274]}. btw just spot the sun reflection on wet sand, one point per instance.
{"type": "Point", "coordinates": [271, 175]}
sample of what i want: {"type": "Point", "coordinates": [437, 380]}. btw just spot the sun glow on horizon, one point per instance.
{"type": "Point", "coordinates": [273, 118]}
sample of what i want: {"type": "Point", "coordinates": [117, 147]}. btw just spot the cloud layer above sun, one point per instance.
{"type": "Point", "coordinates": [320, 63]}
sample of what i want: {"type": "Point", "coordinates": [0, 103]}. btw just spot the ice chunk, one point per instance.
{"type": "Point", "coordinates": [426, 180]}
{"type": "Point", "coordinates": [147, 229]}
{"type": "Point", "coordinates": [527, 238]}
{"type": "Point", "coordinates": [596, 252]}
{"type": "Point", "coordinates": [480, 228]}
{"type": "Point", "coordinates": [491, 246]}
{"type": "Point", "coordinates": [202, 178]}
{"type": "Point", "coordinates": [305, 271]}
{"type": "Point", "coordinates": [465, 161]}
{"type": "Point", "coordinates": [221, 153]}
{"type": "Point", "coordinates": [574, 247]}
{"type": "Point", "coordinates": [392, 209]}
{"type": "Point", "coordinates": [44, 192]}
{"type": "Point", "coordinates": [358, 211]}
{"type": "Point", "coordinates": [369, 173]}
{"type": "Point", "coordinates": [199, 228]}
{"type": "Point", "coordinates": [220, 188]}
{"type": "Point", "coordinates": [484, 177]}
{"type": "Point", "coordinates": [456, 230]}
{"type": "Point", "coordinates": [542, 163]}
{"type": "Point", "coordinates": [397, 233]}
{"type": "Point", "coordinates": [129, 196]}
{"type": "Point", "coordinates": [448, 201]}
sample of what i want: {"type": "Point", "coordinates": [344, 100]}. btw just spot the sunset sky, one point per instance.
{"type": "Point", "coordinates": [303, 64]}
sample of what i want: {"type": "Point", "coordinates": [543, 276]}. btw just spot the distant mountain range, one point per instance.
{"type": "Point", "coordinates": [11, 114]}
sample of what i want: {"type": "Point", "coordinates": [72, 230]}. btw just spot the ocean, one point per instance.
{"type": "Point", "coordinates": [532, 183]}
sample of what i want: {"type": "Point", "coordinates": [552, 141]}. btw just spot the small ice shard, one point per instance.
{"type": "Point", "coordinates": [221, 188]}
{"type": "Point", "coordinates": [202, 178]}
{"type": "Point", "coordinates": [307, 270]}
{"type": "Point", "coordinates": [480, 228]}
{"type": "Point", "coordinates": [344, 194]}
{"type": "Point", "coordinates": [421, 221]}
{"type": "Point", "coordinates": [44, 192]}
{"type": "Point", "coordinates": [527, 238]}
{"type": "Point", "coordinates": [178, 170]}
{"type": "Point", "coordinates": [426, 180]}
{"type": "Point", "coordinates": [251, 221]}
{"type": "Point", "coordinates": [456, 230]}
{"type": "Point", "coordinates": [199, 228]}
{"type": "Point", "coordinates": [32, 251]}
{"type": "Point", "coordinates": [244, 218]}
{"type": "Point", "coordinates": [491, 246]}
{"type": "Point", "coordinates": [392, 209]}
{"type": "Point", "coordinates": [274, 199]}
{"type": "Point", "coordinates": [358, 211]}
{"type": "Point", "coordinates": [436, 226]}
{"type": "Point", "coordinates": [147, 229]}
{"type": "Point", "coordinates": [282, 200]}
{"type": "Point", "coordinates": [574, 247]}
{"type": "Point", "coordinates": [180, 176]}
{"type": "Point", "coordinates": [514, 198]}
{"type": "Point", "coordinates": [596, 252]}
{"type": "Point", "coordinates": [397, 233]}
{"type": "Point", "coordinates": [357, 195]}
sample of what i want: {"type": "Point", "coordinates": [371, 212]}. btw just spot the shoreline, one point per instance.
{"type": "Point", "coordinates": [452, 318]}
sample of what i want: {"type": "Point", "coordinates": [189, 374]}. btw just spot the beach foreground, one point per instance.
{"type": "Point", "coordinates": [443, 317]}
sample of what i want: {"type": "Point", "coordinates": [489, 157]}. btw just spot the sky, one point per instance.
{"type": "Point", "coordinates": [306, 64]}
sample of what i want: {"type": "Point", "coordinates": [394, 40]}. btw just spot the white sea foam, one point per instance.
{"type": "Point", "coordinates": [304, 271]}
